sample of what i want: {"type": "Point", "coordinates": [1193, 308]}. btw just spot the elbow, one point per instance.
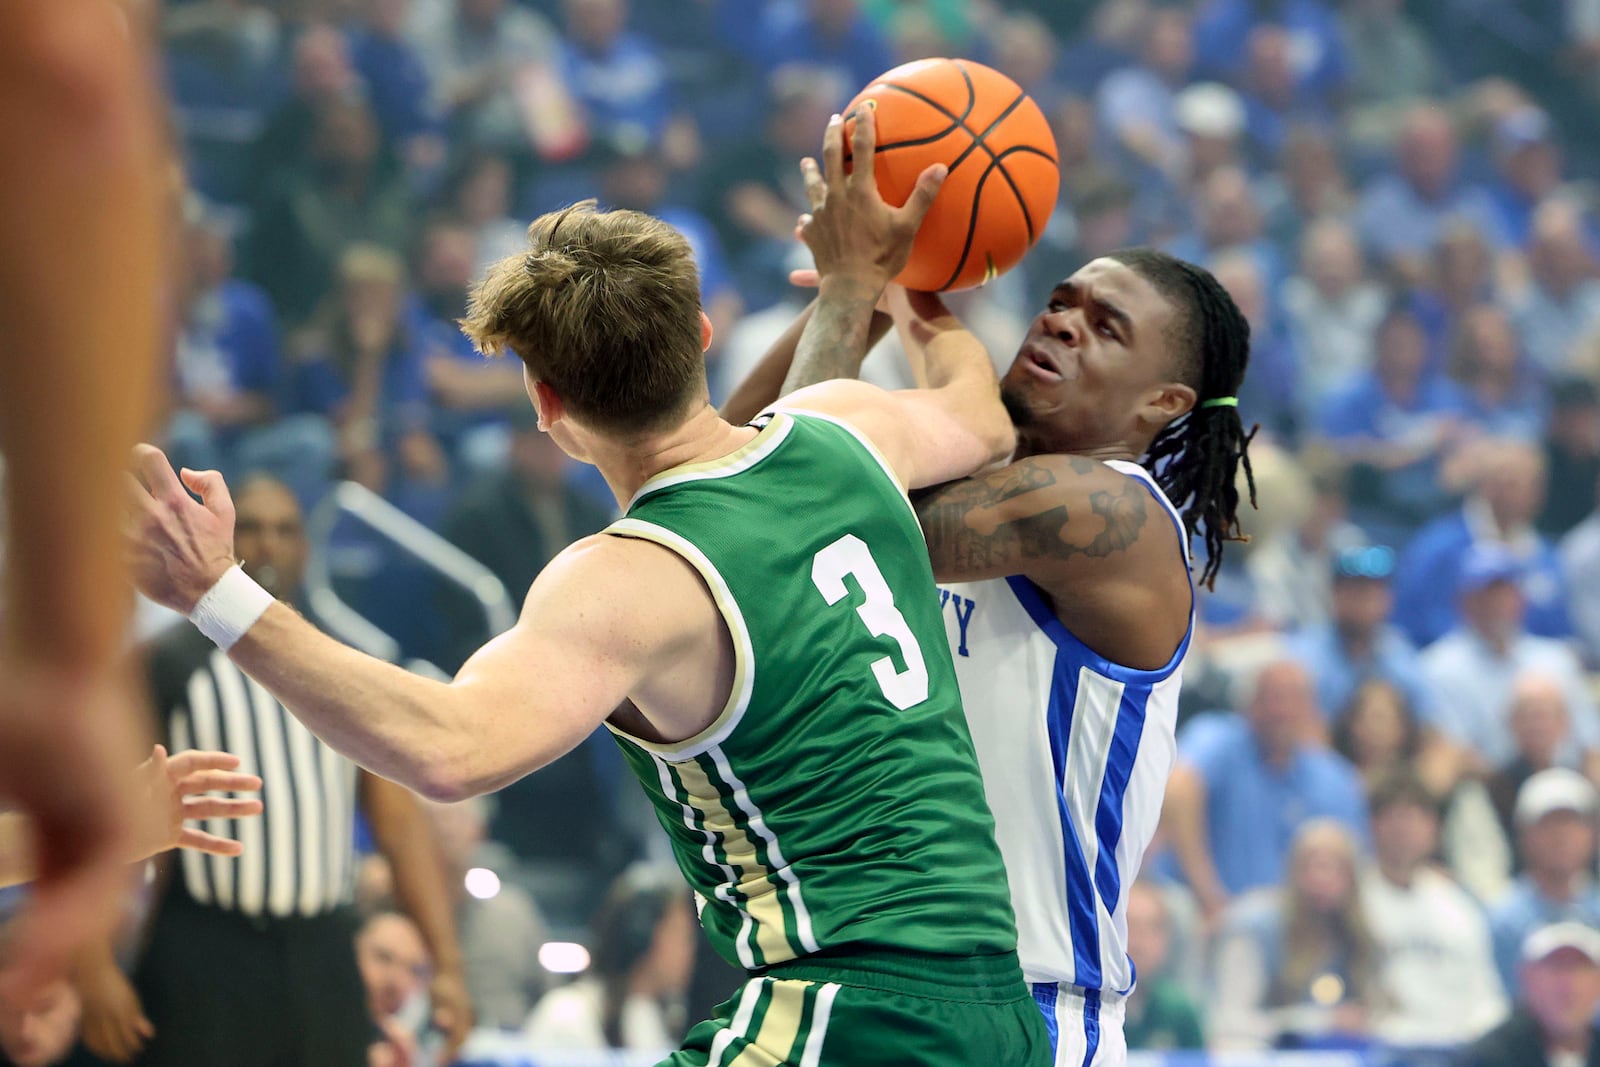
{"type": "Point", "coordinates": [444, 777]}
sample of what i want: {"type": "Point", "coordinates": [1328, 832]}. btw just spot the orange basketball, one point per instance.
{"type": "Point", "coordinates": [1002, 159]}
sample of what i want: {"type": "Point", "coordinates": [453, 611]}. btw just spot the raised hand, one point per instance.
{"type": "Point", "coordinates": [182, 789]}
{"type": "Point", "coordinates": [178, 547]}
{"type": "Point", "coordinates": [851, 229]}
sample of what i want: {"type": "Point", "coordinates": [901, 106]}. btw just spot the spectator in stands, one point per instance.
{"type": "Point", "coordinates": [1293, 572]}
{"type": "Point", "coordinates": [828, 35]}
{"type": "Point", "coordinates": [1572, 455]}
{"type": "Point", "coordinates": [615, 75]}
{"type": "Point", "coordinates": [1560, 304]}
{"type": "Point", "coordinates": [478, 196]}
{"type": "Point", "coordinates": [1554, 1021]}
{"type": "Point", "coordinates": [1381, 736]}
{"type": "Point", "coordinates": [227, 364]}
{"type": "Point", "coordinates": [1528, 170]}
{"type": "Point", "coordinates": [1312, 185]}
{"type": "Point", "coordinates": [755, 188]}
{"type": "Point", "coordinates": [1223, 30]}
{"type": "Point", "coordinates": [362, 367]}
{"type": "Point", "coordinates": [348, 191]}
{"type": "Point", "coordinates": [1393, 425]}
{"type": "Point", "coordinates": [1541, 730]}
{"type": "Point", "coordinates": [225, 75]}
{"type": "Point", "coordinates": [1212, 119]}
{"type": "Point", "coordinates": [1508, 491]}
{"type": "Point", "coordinates": [40, 1034]}
{"type": "Point", "coordinates": [1245, 784]}
{"type": "Point", "coordinates": [1229, 219]}
{"type": "Point", "coordinates": [500, 926]}
{"type": "Point", "coordinates": [1276, 95]}
{"type": "Point", "coordinates": [1502, 397]}
{"type": "Point", "coordinates": [1359, 642]}
{"type": "Point", "coordinates": [1436, 959]}
{"type": "Point", "coordinates": [483, 57]}
{"type": "Point", "coordinates": [1028, 52]}
{"type": "Point", "coordinates": [1268, 394]}
{"type": "Point", "coordinates": [322, 76]}
{"type": "Point", "coordinates": [397, 82]}
{"type": "Point", "coordinates": [1472, 669]}
{"type": "Point", "coordinates": [1580, 563]}
{"type": "Point", "coordinates": [1298, 965]}
{"type": "Point", "coordinates": [1393, 64]}
{"type": "Point", "coordinates": [1461, 275]}
{"type": "Point", "coordinates": [1158, 1013]}
{"type": "Point", "coordinates": [395, 968]}
{"type": "Point", "coordinates": [632, 998]}
{"type": "Point", "coordinates": [1138, 104]}
{"type": "Point", "coordinates": [1333, 311]}
{"type": "Point", "coordinates": [1555, 816]}
{"type": "Point", "coordinates": [1404, 213]}
{"type": "Point", "coordinates": [469, 394]}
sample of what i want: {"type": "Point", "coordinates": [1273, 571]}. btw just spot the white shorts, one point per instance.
{"type": "Point", "coordinates": [1085, 1027]}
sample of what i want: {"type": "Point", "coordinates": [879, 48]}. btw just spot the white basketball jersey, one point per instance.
{"type": "Point", "coordinates": [1075, 752]}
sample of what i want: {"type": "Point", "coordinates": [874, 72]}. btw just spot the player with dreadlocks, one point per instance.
{"type": "Point", "coordinates": [1067, 592]}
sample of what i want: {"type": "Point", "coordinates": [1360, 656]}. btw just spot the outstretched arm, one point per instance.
{"type": "Point", "coordinates": [764, 384]}
{"type": "Point", "coordinates": [524, 699]}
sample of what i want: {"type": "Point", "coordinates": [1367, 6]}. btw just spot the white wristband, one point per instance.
{"type": "Point", "coordinates": [230, 608]}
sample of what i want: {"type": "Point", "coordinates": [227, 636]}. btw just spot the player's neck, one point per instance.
{"type": "Point", "coordinates": [1030, 446]}
{"type": "Point", "coordinates": [703, 436]}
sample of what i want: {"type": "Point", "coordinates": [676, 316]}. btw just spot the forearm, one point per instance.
{"type": "Point", "coordinates": [1183, 816]}
{"type": "Point", "coordinates": [835, 339]}
{"type": "Point", "coordinates": [80, 302]}
{"type": "Point", "coordinates": [407, 728]}
{"type": "Point", "coordinates": [406, 838]}
{"type": "Point", "coordinates": [948, 359]}
{"type": "Point", "coordinates": [16, 849]}
{"type": "Point", "coordinates": [764, 384]}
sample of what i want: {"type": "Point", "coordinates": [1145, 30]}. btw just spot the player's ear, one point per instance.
{"type": "Point", "coordinates": [1171, 400]}
{"type": "Point", "coordinates": [705, 332]}
{"type": "Point", "coordinates": [547, 402]}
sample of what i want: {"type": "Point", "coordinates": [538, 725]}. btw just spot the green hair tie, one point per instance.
{"type": "Point", "coordinates": [1222, 402]}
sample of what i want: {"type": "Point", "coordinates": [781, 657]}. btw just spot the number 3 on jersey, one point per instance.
{"type": "Point", "coordinates": [850, 555]}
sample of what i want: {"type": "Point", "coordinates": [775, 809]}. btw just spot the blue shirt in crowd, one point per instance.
{"type": "Point", "coordinates": [1253, 809]}
{"type": "Point", "coordinates": [1395, 220]}
{"type": "Point", "coordinates": [396, 83]}
{"type": "Point", "coordinates": [1394, 660]}
{"type": "Point", "coordinates": [623, 89]}
{"type": "Point", "coordinates": [1429, 572]}
{"type": "Point", "coordinates": [229, 343]}
{"type": "Point", "coordinates": [1222, 31]}
{"type": "Point", "coordinates": [1524, 909]}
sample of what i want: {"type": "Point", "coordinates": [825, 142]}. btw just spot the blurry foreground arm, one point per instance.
{"type": "Point", "coordinates": [172, 791]}
{"type": "Point", "coordinates": [405, 837]}
{"type": "Point", "coordinates": [82, 168]}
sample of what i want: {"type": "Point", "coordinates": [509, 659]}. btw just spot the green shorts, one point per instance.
{"type": "Point", "coordinates": [872, 1009]}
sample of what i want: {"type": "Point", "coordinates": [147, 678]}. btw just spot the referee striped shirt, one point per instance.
{"type": "Point", "coordinates": [299, 855]}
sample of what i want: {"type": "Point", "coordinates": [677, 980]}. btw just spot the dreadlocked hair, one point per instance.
{"type": "Point", "coordinates": [1196, 457]}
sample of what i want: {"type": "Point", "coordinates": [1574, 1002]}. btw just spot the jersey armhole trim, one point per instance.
{"type": "Point", "coordinates": [744, 661]}
{"type": "Point", "coordinates": [867, 445]}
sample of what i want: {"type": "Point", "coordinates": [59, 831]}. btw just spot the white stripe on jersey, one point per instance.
{"type": "Point", "coordinates": [1075, 752]}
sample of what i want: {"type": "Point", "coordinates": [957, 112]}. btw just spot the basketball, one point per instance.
{"type": "Point", "coordinates": [1002, 159]}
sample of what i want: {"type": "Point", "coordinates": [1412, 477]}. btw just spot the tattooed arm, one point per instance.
{"type": "Point", "coordinates": [765, 382]}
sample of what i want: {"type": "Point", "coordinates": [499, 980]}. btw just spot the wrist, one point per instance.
{"type": "Point", "coordinates": [860, 282]}
{"type": "Point", "coordinates": [230, 607]}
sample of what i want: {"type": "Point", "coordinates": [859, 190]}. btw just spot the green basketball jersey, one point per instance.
{"type": "Point", "coordinates": [836, 800]}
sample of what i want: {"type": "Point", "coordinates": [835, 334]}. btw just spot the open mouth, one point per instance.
{"type": "Point", "coordinates": [1040, 363]}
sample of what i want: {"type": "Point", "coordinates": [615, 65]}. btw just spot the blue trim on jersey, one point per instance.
{"type": "Point", "coordinates": [1084, 923]}
{"type": "Point", "coordinates": [1125, 739]}
{"type": "Point", "coordinates": [1033, 600]}
{"type": "Point", "coordinates": [1044, 995]}
{"type": "Point", "coordinates": [1091, 1025]}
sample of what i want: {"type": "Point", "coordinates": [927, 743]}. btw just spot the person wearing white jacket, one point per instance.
{"type": "Point", "coordinates": [1437, 964]}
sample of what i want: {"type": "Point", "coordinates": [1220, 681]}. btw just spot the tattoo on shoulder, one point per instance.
{"type": "Point", "coordinates": [979, 524]}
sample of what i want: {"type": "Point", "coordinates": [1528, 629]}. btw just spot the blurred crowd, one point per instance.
{"type": "Point", "coordinates": [1386, 790]}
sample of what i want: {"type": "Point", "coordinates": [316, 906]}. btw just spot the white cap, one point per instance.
{"type": "Point", "coordinates": [1546, 941]}
{"type": "Point", "coordinates": [1553, 790]}
{"type": "Point", "coordinates": [1209, 109]}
